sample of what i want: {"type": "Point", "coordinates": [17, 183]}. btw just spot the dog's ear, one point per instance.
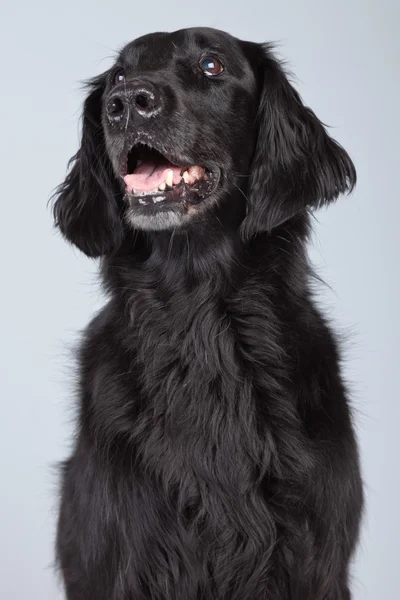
{"type": "Point", "coordinates": [85, 205]}
{"type": "Point", "coordinates": [296, 165]}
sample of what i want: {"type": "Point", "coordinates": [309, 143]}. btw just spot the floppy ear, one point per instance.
{"type": "Point", "coordinates": [296, 164]}
{"type": "Point", "coordinates": [85, 205]}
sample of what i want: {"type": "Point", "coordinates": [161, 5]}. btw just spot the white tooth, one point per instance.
{"type": "Point", "coordinates": [159, 199]}
{"type": "Point", "coordinates": [170, 178]}
{"type": "Point", "coordinates": [141, 201]}
{"type": "Point", "coordinates": [162, 186]}
{"type": "Point", "coordinates": [196, 171]}
{"type": "Point", "coordinates": [185, 177]}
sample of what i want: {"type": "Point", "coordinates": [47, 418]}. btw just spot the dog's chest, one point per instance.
{"type": "Point", "coordinates": [202, 361]}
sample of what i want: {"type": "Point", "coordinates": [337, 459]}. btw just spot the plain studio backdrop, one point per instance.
{"type": "Point", "coordinates": [345, 54]}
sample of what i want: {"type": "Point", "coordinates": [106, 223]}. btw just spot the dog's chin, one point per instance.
{"type": "Point", "coordinates": [157, 220]}
{"type": "Point", "coordinates": [167, 212]}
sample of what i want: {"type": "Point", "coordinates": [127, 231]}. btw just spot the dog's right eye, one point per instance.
{"type": "Point", "coordinates": [119, 76]}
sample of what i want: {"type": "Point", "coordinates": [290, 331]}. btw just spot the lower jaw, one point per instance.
{"type": "Point", "coordinates": [174, 212]}
{"type": "Point", "coordinates": [164, 200]}
{"type": "Point", "coordinates": [169, 217]}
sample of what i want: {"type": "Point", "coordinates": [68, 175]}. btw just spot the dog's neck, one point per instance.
{"type": "Point", "coordinates": [195, 255]}
{"type": "Point", "coordinates": [206, 255]}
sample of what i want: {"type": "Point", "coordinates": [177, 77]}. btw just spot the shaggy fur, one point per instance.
{"type": "Point", "coordinates": [215, 456]}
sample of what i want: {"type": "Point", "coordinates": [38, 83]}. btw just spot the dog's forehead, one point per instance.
{"type": "Point", "coordinates": [161, 48]}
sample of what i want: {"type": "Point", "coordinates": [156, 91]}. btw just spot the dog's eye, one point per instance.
{"type": "Point", "coordinates": [119, 76]}
{"type": "Point", "coordinates": [211, 66]}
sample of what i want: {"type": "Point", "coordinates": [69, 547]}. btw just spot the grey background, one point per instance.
{"type": "Point", "coordinates": [345, 54]}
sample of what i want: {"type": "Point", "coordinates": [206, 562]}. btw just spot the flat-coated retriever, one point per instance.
{"type": "Point", "coordinates": [215, 456]}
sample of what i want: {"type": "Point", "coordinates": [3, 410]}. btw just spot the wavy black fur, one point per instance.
{"type": "Point", "coordinates": [215, 456]}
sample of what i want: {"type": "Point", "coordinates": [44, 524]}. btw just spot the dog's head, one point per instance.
{"type": "Point", "coordinates": [186, 123]}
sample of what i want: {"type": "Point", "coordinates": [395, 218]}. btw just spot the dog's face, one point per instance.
{"type": "Point", "coordinates": [186, 122]}
{"type": "Point", "coordinates": [178, 116]}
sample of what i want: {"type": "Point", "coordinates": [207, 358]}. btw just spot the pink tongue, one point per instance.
{"type": "Point", "coordinates": [149, 176]}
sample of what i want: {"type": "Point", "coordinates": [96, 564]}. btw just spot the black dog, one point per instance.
{"type": "Point", "coordinates": [215, 457]}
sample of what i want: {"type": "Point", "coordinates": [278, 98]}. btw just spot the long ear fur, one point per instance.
{"type": "Point", "coordinates": [296, 165]}
{"type": "Point", "coordinates": [85, 205]}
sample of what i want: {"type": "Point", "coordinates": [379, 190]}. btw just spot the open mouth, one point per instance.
{"type": "Point", "coordinates": [152, 178]}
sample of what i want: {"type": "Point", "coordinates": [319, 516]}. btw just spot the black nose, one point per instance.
{"type": "Point", "coordinates": [143, 98]}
